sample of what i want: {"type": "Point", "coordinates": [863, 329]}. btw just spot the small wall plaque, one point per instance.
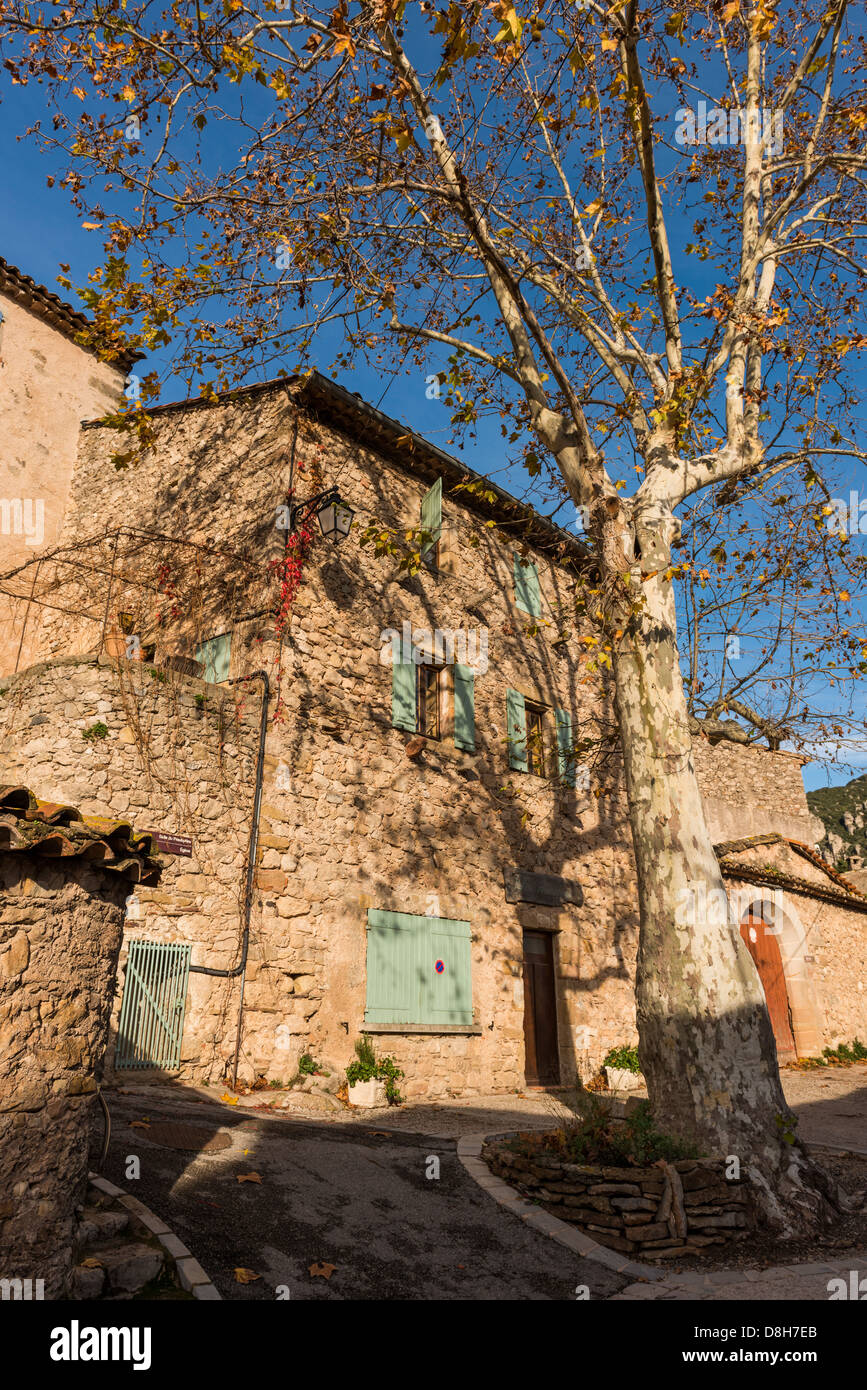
{"type": "Point", "coordinates": [173, 844]}
{"type": "Point", "coordinates": [547, 890]}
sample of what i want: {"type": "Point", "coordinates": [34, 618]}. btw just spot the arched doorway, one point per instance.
{"type": "Point", "coordinates": [762, 944]}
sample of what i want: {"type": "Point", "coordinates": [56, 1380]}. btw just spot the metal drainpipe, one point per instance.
{"type": "Point", "coordinates": [252, 850]}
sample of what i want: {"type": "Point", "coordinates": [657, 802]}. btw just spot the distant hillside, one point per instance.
{"type": "Point", "coordinates": [843, 811]}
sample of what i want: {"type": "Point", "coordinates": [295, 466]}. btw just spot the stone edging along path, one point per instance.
{"type": "Point", "coordinates": [469, 1153]}
{"type": "Point", "coordinates": [193, 1278]}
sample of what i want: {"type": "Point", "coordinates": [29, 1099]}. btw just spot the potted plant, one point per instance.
{"type": "Point", "coordinates": [623, 1069]}
{"type": "Point", "coordinates": [371, 1081]}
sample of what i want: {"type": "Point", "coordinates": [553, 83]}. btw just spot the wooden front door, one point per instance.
{"type": "Point", "coordinates": [540, 1011]}
{"type": "Point", "coordinates": [765, 951]}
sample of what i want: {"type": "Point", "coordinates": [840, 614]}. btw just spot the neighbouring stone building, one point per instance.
{"type": "Point", "coordinates": [48, 385]}
{"type": "Point", "coordinates": [441, 851]}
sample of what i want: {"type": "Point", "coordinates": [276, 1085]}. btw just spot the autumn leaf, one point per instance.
{"type": "Point", "coordinates": [139, 1124]}
{"type": "Point", "coordinates": [92, 226]}
{"type": "Point", "coordinates": [321, 1271]}
{"type": "Point", "coordinates": [596, 206]}
{"type": "Point", "coordinates": [249, 1177]}
{"type": "Point", "coordinates": [608, 45]}
{"type": "Point", "coordinates": [730, 10]}
{"type": "Point", "coordinates": [229, 1100]}
{"type": "Point", "coordinates": [128, 93]}
{"type": "Point", "coordinates": [844, 596]}
{"type": "Point", "coordinates": [246, 1276]}
{"type": "Point", "coordinates": [343, 42]}
{"type": "Point", "coordinates": [92, 1263]}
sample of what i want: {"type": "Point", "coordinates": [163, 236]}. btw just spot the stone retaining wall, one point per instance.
{"type": "Point", "coordinates": [656, 1212]}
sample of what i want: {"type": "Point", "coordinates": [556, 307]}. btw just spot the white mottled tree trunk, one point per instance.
{"type": "Point", "coordinates": [706, 1044]}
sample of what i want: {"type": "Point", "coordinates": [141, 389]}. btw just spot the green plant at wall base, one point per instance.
{"type": "Point", "coordinates": [595, 1135]}
{"type": "Point", "coordinates": [200, 701]}
{"type": "Point", "coordinates": [156, 675]}
{"type": "Point", "coordinates": [367, 1067]}
{"type": "Point", "coordinates": [97, 730]}
{"type": "Point", "coordinates": [307, 1066]}
{"type": "Point", "coordinates": [626, 1058]}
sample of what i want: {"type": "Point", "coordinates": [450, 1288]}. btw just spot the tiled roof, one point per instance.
{"type": "Point", "coordinates": [51, 308]}
{"type": "Point", "coordinates": [55, 831]}
{"type": "Point", "coordinates": [842, 893]}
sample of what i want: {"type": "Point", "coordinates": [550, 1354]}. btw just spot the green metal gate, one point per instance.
{"type": "Point", "coordinates": [151, 1021]}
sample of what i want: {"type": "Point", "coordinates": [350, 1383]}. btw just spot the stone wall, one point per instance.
{"type": "Point", "coordinates": [657, 1212]}
{"type": "Point", "coordinates": [747, 790]}
{"type": "Point", "coordinates": [60, 930]}
{"type": "Point", "coordinates": [178, 756]}
{"type": "Point", "coordinates": [48, 385]}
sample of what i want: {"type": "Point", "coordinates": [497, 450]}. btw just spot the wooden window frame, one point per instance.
{"type": "Point", "coordinates": [537, 747]}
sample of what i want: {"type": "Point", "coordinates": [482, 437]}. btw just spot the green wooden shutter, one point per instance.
{"type": "Point", "coordinates": [446, 997]}
{"type": "Point", "coordinates": [392, 971]}
{"type": "Point", "coordinates": [516, 730]}
{"type": "Point", "coordinates": [528, 595]}
{"type": "Point", "coordinates": [214, 656]}
{"type": "Point", "coordinates": [403, 985]}
{"type": "Point", "coordinates": [432, 514]}
{"type": "Point", "coordinates": [465, 711]}
{"type": "Point", "coordinates": [403, 688]}
{"type": "Point", "coordinates": [565, 751]}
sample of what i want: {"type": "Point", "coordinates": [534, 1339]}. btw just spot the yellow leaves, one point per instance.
{"type": "Point", "coordinates": [730, 10]}
{"type": "Point", "coordinates": [403, 141]}
{"type": "Point", "coordinates": [280, 85]}
{"type": "Point", "coordinates": [592, 208]}
{"type": "Point", "coordinates": [248, 1177]}
{"type": "Point", "coordinates": [80, 93]}
{"type": "Point", "coordinates": [128, 93]}
{"type": "Point", "coordinates": [844, 596]}
{"type": "Point", "coordinates": [609, 45]}
{"type": "Point", "coordinates": [513, 25]}
{"type": "Point", "coordinates": [343, 44]}
{"type": "Point", "coordinates": [246, 1276]}
{"type": "Point", "coordinates": [229, 1100]}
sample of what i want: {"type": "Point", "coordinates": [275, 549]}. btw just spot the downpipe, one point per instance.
{"type": "Point", "coordinates": [252, 851]}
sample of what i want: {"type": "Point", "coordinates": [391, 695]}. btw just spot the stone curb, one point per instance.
{"type": "Point", "coordinates": [469, 1153]}
{"type": "Point", "coordinates": [193, 1278]}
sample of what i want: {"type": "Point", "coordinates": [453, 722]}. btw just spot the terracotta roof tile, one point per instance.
{"type": "Point", "coordinates": [55, 831]}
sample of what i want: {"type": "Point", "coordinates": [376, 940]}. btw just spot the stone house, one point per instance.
{"type": "Point", "coordinates": [394, 809]}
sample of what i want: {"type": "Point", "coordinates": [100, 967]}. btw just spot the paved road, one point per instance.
{"type": "Point", "coordinates": [349, 1197]}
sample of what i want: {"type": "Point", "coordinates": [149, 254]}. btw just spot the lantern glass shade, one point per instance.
{"type": "Point", "coordinates": [335, 519]}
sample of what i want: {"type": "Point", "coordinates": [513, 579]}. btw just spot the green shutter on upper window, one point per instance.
{"type": "Point", "coordinates": [403, 688]}
{"type": "Point", "coordinates": [392, 968]}
{"type": "Point", "coordinates": [215, 655]}
{"type": "Point", "coordinates": [528, 595]}
{"type": "Point", "coordinates": [465, 709]}
{"type": "Point", "coordinates": [516, 730]}
{"type": "Point", "coordinates": [446, 994]}
{"type": "Point", "coordinates": [565, 750]}
{"type": "Point", "coordinates": [432, 514]}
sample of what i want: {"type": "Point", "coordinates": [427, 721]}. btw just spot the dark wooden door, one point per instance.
{"type": "Point", "coordinates": [765, 951]}
{"type": "Point", "coordinates": [540, 1011]}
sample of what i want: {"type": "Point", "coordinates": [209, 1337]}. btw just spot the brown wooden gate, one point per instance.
{"type": "Point", "coordinates": [765, 951]}
{"type": "Point", "coordinates": [540, 1011]}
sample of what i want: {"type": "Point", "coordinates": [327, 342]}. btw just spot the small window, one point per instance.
{"type": "Point", "coordinates": [215, 655]}
{"type": "Point", "coordinates": [536, 760]}
{"type": "Point", "coordinates": [430, 685]}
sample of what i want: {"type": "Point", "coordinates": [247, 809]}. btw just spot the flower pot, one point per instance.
{"type": "Point", "coordinates": [368, 1094]}
{"type": "Point", "coordinates": [619, 1079]}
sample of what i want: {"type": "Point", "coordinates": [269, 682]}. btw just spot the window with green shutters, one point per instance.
{"type": "Point", "coordinates": [528, 595]}
{"type": "Point", "coordinates": [516, 731]}
{"type": "Point", "coordinates": [215, 655]}
{"type": "Point", "coordinates": [404, 984]}
{"type": "Point", "coordinates": [406, 707]}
